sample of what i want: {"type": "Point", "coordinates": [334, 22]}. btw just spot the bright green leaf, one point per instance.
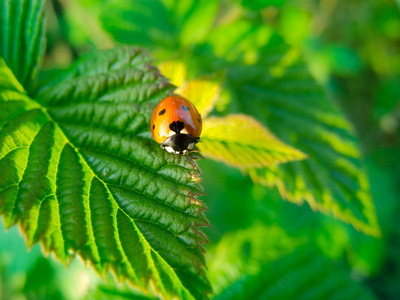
{"type": "Point", "coordinates": [244, 42]}
{"type": "Point", "coordinates": [82, 175]}
{"type": "Point", "coordinates": [22, 38]}
{"type": "Point", "coordinates": [241, 141]}
{"type": "Point", "coordinates": [196, 17]}
{"type": "Point", "coordinates": [294, 24]}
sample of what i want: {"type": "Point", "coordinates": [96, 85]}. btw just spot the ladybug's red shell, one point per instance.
{"type": "Point", "coordinates": [176, 124]}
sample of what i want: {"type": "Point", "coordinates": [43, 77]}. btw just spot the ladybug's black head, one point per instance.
{"type": "Point", "coordinates": [179, 143]}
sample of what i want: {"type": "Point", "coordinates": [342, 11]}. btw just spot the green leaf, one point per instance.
{"type": "Point", "coordinates": [83, 176]}
{"type": "Point", "coordinates": [265, 263]}
{"type": "Point", "coordinates": [296, 110]}
{"type": "Point", "coordinates": [168, 23]}
{"type": "Point", "coordinates": [267, 79]}
{"type": "Point", "coordinates": [261, 4]}
{"type": "Point", "coordinates": [241, 141]}
{"type": "Point", "coordinates": [277, 89]}
{"type": "Point", "coordinates": [22, 38]}
{"type": "Point", "coordinates": [136, 28]}
{"type": "Point", "coordinates": [303, 274]}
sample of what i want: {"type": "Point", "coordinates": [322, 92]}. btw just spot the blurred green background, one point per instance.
{"type": "Point", "coordinates": [257, 240]}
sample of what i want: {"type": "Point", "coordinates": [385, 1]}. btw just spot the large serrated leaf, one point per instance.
{"type": "Point", "coordinates": [22, 38]}
{"type": "Point", "coordinates": [81, 174]}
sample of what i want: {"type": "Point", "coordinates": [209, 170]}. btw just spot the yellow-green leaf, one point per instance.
{"type": "Point", "coordinates": [241, 141]}
{"type": "Point", "coordinates": [202, 92]}
{"type": "Point", "coordinates": [175, 71]}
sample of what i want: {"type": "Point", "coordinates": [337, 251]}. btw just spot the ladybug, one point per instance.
{"type": "Point", "coordinates": [176, 125]}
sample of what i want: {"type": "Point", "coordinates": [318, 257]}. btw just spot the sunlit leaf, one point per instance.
{"type": "Point", "coordinates": [202, 92]}
{"type": "Point", "coordinates": [81, 174]}
{"type": "Point", "coordinates": [278, 90]}
{"type": "Point", "coordinates": [241, 141]}
{"type": "Point", "coordinates": [175, 71]}
{"type": "Point", "coordinates": [22, 38]}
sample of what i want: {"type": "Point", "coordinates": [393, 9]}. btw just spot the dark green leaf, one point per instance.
{"type": "Point", "coordinates": [22, 38]}
{"type": "Point", "coordinates": [265, 263]}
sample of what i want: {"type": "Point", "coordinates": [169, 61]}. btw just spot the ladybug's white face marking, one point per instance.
{"type": "Point", "coordinates": [169, 149]}
{"type": "Point", "coordinates": [190, 146]}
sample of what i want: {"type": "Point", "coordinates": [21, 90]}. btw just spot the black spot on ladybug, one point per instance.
{"type": "Point", "coordinates": [198, 119]}
{"type": "Point", "coordinates": [185, 108]}
{"type": "Point", "coordinates": [161, 112]}
{"type": "Point", "coordinates": [177, 126]}
{"type": "Point", "coordinates": [154, 126]}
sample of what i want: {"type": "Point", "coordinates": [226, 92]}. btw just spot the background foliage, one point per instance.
{"type": "Point", "coordinates": [260, 245]}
